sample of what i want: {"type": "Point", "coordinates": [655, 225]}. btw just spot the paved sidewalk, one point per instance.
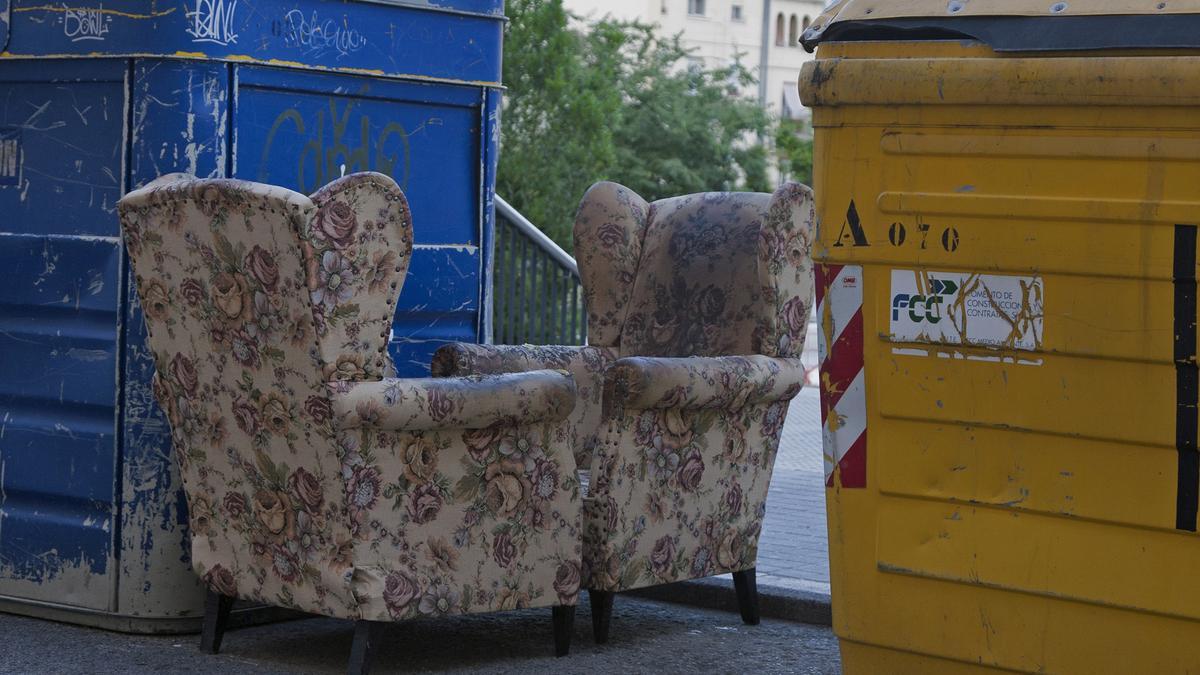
{"type": "Point", "coordinates": [647, 637]}
{"type": "Point", "coordinates": [793, 550]}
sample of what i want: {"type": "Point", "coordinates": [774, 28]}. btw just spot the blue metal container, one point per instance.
{"type": "Point", "coordinates": [98, 100]}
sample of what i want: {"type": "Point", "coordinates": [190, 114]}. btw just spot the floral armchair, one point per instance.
{"type": "Point", "coordinates": [315, 480]}
{"type": "Point", "coordinates": [697, 312]}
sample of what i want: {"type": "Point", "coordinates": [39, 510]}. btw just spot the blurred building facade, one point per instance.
{"type": "Point", "coordinates": [720, 31]}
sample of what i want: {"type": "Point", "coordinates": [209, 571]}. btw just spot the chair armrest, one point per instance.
{"type": "Point", "coordinates": [423, 404]}
{"type": "Point", "coordinates": [464, 358]}
{"type": "Point", "coordinates": [725, 382]}
{"type": "Point", "coordinates": [586, 365]}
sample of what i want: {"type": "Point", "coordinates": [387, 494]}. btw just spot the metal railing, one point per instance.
{"type": "Point", "coordinates": [537, 295]}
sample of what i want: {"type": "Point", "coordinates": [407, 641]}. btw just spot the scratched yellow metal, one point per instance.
{"type": "Point", "coordinates": [1020, 508]}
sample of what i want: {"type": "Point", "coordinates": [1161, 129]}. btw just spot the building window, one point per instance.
{"type": "Point", "coordinates": [807, 22]}
{"type": "Point", "coordinates": [735, 13]}
{"type": "Point", "coordinates": [779, 30]}
{"type": "Point", "coordinates": [793, 31]}
{"type": "Point", "coordinates": [696, 7]}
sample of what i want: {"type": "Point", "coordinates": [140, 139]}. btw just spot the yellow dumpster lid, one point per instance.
{"type": "Point", "coordinates": [1015, 25]}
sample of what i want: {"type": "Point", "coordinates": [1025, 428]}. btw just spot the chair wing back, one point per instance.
{"type": "Point", "coordinates": [786, 271]}
{"type": "Point", "coordinates": [708, 274]}
{"type": "Point", "coordinates": [609, 227]}
{"type": "Point", "coordinates": [357, 248]}
{"type": "Point", "coordinates": [226, 298]}
{"type": "Point", "coordinates": [698, 289]}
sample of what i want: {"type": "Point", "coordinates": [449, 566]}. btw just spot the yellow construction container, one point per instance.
{"type": "Point", "coordinates": [1008, 195]}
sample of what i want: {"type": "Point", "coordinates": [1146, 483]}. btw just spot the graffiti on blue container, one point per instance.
{"type": "Point", "coordinates": [333, 147]}
{"type": "Point", "coordinates": [85, 23]}
{"type": "Point", "coordinates": [315, 35]}
{"type": "Point", "coordinates": [212, 21]}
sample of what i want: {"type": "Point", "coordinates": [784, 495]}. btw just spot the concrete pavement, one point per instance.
{"type": "Point", "coordinates": [647, 637]}
{"type": "Point", "coordinates": [793, 550]}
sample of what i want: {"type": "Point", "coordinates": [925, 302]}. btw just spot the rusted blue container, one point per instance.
{"type": "Point", "coordinates": [99, 98]}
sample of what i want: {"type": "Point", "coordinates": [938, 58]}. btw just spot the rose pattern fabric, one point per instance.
{"type": "Point", "coordinates": [471, 402]}
{"type": "Point", "coordinates": [701, 304]}
{"type": "Point", "coordinates": [679, 483]}
{"type": "Point", "coordinates": [305, 487]}
{"type": "Point", "coordinates": [471, 506]}
{"type": "Point", "coordinates": [586, 366]}
{"type": "Point", "coordinates": [726, 382]}
{"type": "Point", "coordinates": [609, 227]}
{"type": "Point", "coordinates": [785, 270]}
{"type": "Point", "coordinates": [714, 277]}
{"type": "Point", "coordinates": [357, 247]}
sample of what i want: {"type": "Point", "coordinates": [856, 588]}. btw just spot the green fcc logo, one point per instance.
{"type": "Point", "coordinates": [923, 307]}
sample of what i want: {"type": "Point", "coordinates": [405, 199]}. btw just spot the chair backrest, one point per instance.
{"type": "Point", "coordinates": [609, 227]}
{"type": "Point", "coordinates": [357, 247]}
{"type": "Point", "coordinates": [708, 274]}
{"type": "Point", "coordinates": [254, 296]}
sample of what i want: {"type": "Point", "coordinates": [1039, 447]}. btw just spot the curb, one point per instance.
{"type": "Point", "coordinates": [778, 597]}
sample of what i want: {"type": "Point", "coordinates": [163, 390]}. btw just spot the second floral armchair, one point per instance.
{"type": "Point", "coordinates": [697, 312]}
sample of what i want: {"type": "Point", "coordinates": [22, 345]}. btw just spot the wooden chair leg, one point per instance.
{"type": "Point", "coordinates": [366, 634]}
{"type": "Point", "coordinates": [602, 605]}
{"type": "Point", "coordinates": [745, 584]}
{"type": "Point", "coordinates": [216, 618]}
{"type": "Point", "coordinates": [564, 626]}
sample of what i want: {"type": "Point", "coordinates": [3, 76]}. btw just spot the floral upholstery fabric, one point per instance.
{"type": "Point", "coordinates": [785, 271]}
{"type": "Point", "coordinates": [704, 301]}
{"type": "Point", "coordinates": [689, 383]}
{"type": "Point", "coordinates": [704, 286]}
{"type": "Point", "coordinates": [462, 520]}
{"type": "Point", "coordinates": [679, 493]}
{"type": "Point", "coordinates": [460, 403]}
{"type": "Point", "coordinates": [609, 227]}
{"type": "Point", "coordinates": [357, 247]}
{"type": "Point", "coordinates": [586, 366]}
{"type": "Point", "coordinates": [297, 498]}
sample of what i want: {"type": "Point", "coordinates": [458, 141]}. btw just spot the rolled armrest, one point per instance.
{"type": "Point", "coordinates": [423, 404]}
{"type": "Point", "coordinates": [463, 358]}
{"type": "Point", "coordinates": [726, 382]}
{"type": "Point", "coordinates": [586, 365]}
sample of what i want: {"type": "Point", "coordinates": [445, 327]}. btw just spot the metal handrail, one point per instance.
{"type": "Point", "coordinates": [537, 295]}
{"type": "Point", "coordinates": [564, 259]}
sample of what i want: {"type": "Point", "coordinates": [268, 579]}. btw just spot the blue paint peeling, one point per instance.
{"type": "Point", "coordinates": [91, 511]}
{"type": "Point", "coordinates": [490, 161]}
{"type": "Point", "coordinates": [59, 323]}
{"type": "Point", "coordinates": [412, 39]}
{"type": "Point", "coordinates": [5, 10]}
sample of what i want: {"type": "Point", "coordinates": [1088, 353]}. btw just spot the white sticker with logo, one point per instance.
{"type": "Point", "coordinates": [967, 308]}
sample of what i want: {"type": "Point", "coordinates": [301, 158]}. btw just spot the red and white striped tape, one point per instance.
{"type": "Point", "coordinates": [843, 389]}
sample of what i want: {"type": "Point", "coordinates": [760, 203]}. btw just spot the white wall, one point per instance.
{"type": "Point", "coordinates": [717, 38]}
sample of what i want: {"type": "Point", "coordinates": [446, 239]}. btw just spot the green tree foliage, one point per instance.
{"type": "Point", "coordinates": [794, 152]}
{"type": "Point", "coordinates": [686, 130]}
{"type": "Point", "coordinates": [615, 101]}
{"type": "Point", "coordinates": [557, 132]}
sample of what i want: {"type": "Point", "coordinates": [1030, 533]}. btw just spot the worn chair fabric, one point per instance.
{"type": "Point", "coordinates": [697, 311]}
{"type": "Point", "coordinates": [315, 479]}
